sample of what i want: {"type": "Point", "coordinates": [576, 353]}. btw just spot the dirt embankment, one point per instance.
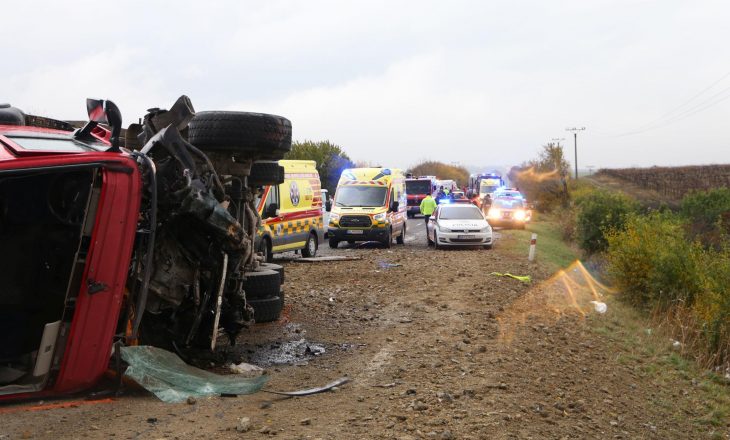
{"type": "Point", "coordinates": [665, 184]}
{"type": "Point", "coordinates": [436, 348]}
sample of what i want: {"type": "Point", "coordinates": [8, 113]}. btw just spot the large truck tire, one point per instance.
{"type": "Point", "coordinates": [266, 173]}
{"type": "Point", "coordinates": [275, 267]}
{"type": "Point", "coordinates": [262, 284]}
{"type": "Point", "coordinates": [267, 137]}
{"type": "Point", "coordinates": [263, 293]}
{"type": "Point", "coordinates": [265, 249]}
{"type": "Point", "coordinates": [267, 309]}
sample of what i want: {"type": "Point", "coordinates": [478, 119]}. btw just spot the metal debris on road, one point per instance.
{"type": "Point", "coordinates": [310, 391]}
{"type": "Point", "coordinates": [326, 259]}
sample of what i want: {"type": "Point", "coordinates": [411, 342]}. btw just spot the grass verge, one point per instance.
{"type": "Point", "coordinates": [552, 251]}
{"type": "Point", "coordinates": [701, 395]}
{"type": "Point", "coordinates": [705, 396]}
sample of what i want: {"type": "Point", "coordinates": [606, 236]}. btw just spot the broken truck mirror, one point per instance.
{"type": "Point", "coordinates": [102, 111]}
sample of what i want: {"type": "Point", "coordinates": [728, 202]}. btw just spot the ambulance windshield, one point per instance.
{"type": "Point", "coordinates": [348, 196]}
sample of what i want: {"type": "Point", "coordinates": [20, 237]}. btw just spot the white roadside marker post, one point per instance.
{"type": "Point", "coordinates": [533, 244]}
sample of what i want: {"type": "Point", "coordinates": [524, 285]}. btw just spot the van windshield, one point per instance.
{"type": "Point", "coordinates": [360, 196]}
{"type": "Point", "coordinates": [460, 213]}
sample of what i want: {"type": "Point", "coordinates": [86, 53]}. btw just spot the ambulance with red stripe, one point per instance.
{"type": "Point", "coordinates": [370, 205]}
{"type": "Point", "coordinates": [291, 212]}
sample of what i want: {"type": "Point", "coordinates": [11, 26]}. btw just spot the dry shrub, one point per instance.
{"type": "Point", "coordinates": [687, 286]}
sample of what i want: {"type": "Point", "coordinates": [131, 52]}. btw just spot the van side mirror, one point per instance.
{"type": "Point", "coordinates": [271, 210]}
{"type": "Point", "coordinates": [393, 206]}
{"type": "Point", "coordinates": [328, 205]}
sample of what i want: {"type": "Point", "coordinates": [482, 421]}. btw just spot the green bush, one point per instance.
{"type": "Point", "coordinates": [655, 266]}
{"type": "Point", "coordinates": [708, 216]}
{"type": "Point", "coordinates": [598, 212]}
{"type": "Point", "coordinates": [706, 206]}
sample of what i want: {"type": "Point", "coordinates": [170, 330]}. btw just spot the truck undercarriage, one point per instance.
{"type": "Point", "coordinates": [193, 272]}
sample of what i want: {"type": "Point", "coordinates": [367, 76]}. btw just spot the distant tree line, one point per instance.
{"type": "Point", "coordinates": [330, 158]}
{"type": "Point", "coordinates": [442, 171]}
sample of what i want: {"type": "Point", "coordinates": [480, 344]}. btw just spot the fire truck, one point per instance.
{"type": "Point", "coordinates": [417, 188]}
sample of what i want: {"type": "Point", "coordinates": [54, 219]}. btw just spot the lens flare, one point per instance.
{"type": "Point", "coordinates": [537, 176]}
{"type": "Point", "coordinates": [568, 292]}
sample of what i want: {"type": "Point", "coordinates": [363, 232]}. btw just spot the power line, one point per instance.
{"type": "Point", "coordinates": [679, 107]}
{"type": "Point", "coordinates": [679, 112]}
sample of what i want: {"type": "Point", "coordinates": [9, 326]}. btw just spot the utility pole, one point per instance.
{"type": "Point", "coordinates": [575, 131]}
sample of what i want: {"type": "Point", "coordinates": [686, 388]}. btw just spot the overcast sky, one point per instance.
{"type": "Point", "coordinates": [392, 82]}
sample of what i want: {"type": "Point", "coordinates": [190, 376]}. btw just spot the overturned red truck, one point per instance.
{"type": "Point", "coordinates": [142, 237]}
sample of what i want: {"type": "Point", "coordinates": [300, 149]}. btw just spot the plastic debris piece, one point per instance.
{"type": "Point", "coordinates": [386, 265]}
{"type": "Point", "coordinates": [310, 391]}
{"type": "Point", "coordinates": [170, 379]}
{"type": "Point", "coordinates": [248, 370]}
{"type": "Point", "coordinates": [523, 278]}
{"type": "Point", "coordinates": [599, 307]}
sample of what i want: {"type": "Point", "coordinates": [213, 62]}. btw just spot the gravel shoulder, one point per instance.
{"type": "Point", "coordinates": [435, 347]}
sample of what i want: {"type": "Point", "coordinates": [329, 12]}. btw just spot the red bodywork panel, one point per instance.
{"type": "Point", "coordinates": [89, 342]}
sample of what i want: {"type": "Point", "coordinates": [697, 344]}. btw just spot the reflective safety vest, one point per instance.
{"type": "Point", "coordinates": [428, 206]}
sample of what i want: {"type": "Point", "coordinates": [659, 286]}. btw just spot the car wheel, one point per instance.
{"type": "Point", "coordinates": [310, 247]}
{"type": "Point", "coordinates": [436, 241]}
{"type": "Point", "coordinates": [267, 136]}
{"type": "Point", "coordinates": [265, 250]}
{"type": "Point", "coordinates": [388, 240]}
{"type": "Point", "coordinates": [266, 173]}
{"type": "Point", "coordinates": [334, 243]}
{"type": "Point", "coordinates": [487, 246]}
{"type": "Point", "coordinates": [402, 237]}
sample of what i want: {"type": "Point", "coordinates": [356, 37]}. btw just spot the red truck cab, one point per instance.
{"type": "Point", "coordinates": [417, 188]}
{"type": "Point", "coordinates": [68, 217]}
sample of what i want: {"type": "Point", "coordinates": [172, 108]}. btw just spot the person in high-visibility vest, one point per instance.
{"type": "Point", "coordinates": [428, 206]}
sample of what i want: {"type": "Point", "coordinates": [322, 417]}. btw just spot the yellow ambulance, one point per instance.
{"type": "Point", "coordinates": [370, 205]}
{"type": "Point", "coordinates": [291, 212]}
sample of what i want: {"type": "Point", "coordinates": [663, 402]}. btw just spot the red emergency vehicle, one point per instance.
{"type": "Point", "coordinates": [417, 188]}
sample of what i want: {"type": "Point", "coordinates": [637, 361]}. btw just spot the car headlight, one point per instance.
{"type": "Point", "coordinates": [334, 217]}
{"type": "Point", "coordinates": [493, 213]}
{"type": "Point", "coordinates": [520, 215]}
{"type": "Point", "coordinates": [485, 230]}
{"type": "Point", "coordinates": [444, 229]}
{"type": "Point", "coordinates": [380, 217]}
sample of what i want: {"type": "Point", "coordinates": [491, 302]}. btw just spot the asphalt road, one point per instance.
{"type": "Point", "coordinates": [415, 235]}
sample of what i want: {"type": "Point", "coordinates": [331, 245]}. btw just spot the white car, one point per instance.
{"type": "Point", "coordinates": [459, 224]}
